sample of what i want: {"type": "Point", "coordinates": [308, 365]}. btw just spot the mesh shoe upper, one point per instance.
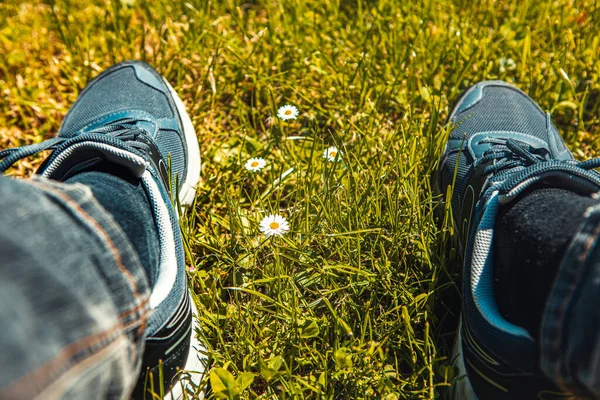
{"type": "Point", "coordinates": [501, 107]}
{"type": "Point", "coordinates": [131, 86]}
{"type": "Point", "coordinates": [117, 89]}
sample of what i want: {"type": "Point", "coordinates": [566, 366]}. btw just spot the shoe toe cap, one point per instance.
{"type": "Point", "coordinates": [126, 86]}
{"type": "Point", "coordinates": [497, 106]}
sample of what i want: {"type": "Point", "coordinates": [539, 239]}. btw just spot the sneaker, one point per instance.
{"type": "Point", "coordinates": [130, 116]}
{"type": "Point", "coordinates": [501, 144]}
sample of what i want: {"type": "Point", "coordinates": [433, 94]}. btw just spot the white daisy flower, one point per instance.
{"type": "Point", "coordinates": [255, 164]}
{"type": "Point", "coordinates": [274, 225]}
{"type": "Point", "coordinates": [287, 112]}
{"type": "Point", "coordinates": [332, 154]}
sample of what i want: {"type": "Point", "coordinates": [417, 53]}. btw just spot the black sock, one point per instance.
{"type": "Point", "coordinates": [531, 237]}
{"type": "Point", "coordinates": [126, 201]}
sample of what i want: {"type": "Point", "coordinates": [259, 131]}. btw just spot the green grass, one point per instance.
{"type": "Point", "coordinates": [350, 304]}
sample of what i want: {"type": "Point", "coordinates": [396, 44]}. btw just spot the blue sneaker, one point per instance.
{"type": "Point", "coordinates": [131, 116]}
{"type": "Point", "coordinates": [501, 144]}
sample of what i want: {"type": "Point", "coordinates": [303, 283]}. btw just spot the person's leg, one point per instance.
{"type": "Point", "coordinates": [570, 327]}
{"type": "Point", "coordinates": [74, 295]}
{"type": "Point", "coordinates": [524, 212]}
{"type": "Point", "coordinates": [547, 279]}
{"type": "Point", "coordinates": [125, 128]}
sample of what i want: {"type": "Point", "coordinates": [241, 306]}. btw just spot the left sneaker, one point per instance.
{"type": "Point", "coordinates": [131, 117]}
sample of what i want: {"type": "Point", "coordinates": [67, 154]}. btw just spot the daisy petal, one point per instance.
{"type": "Point", "coordinates": [274, 225]}
{"type": "Point", "coordinates": [332, 154]}
{"type": "Point", "coordinates": [287, 112]}
{"type": "Point", "coordinates": [255, 164]}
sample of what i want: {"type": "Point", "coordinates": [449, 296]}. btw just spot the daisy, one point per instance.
{"type": "Point", "coordinates": [191, 269]}
{"type": "Point", "coordinates": [287, 112]}
{"type": "Point", "coordinates": [255, 164]}
{"type": "Point", "coordinates": [274, 225]}
{"type": "Point", "coordinates": [332, 154]}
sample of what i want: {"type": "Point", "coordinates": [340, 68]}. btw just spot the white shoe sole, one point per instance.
{"type": "Point", "coordinates": [461, 389]}
{"type": "Point", "coordinates": [195, 368]}
{"type": "Point", "coordinates": [197, 362]}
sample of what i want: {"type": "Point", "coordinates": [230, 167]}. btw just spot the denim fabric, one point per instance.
{"type": "Point", "coordinates": [570, 332]}
{"type": "Point", "coordinates": [74, 295]}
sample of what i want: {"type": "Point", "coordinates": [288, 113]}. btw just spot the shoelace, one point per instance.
{"type": "Point", "coordinates": [507, 154]}
{"type": "Point", "coordinates": [124, 131]}
{"type": "Point", "coordinates": [513, 161]}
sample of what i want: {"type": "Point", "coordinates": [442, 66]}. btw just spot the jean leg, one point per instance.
{"type": "Point", "coordinates": [73, 295]}
{"type": "Point", "coordinates": [570, 332]}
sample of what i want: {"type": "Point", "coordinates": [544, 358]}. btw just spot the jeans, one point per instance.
{"type": "Point", "coordinates": [570, 330]}
{"type": "Point", "coordinates": [73, 295]}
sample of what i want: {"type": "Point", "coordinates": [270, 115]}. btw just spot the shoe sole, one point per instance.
{"type": "Point", "coordinates": [462, 388]}
{"type": "Point", "coordinates": [195, 367]}
{"type": "Point", "coordinates": [196, 364]}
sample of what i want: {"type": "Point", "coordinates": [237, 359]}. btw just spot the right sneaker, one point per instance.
{"type": "Point", "coordinates": [129, 116]}
{"type": "Point", "coordinates": [501, 144]}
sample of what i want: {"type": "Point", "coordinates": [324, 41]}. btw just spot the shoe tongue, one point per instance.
{"type": "Point", "coordinates": [85, 154]}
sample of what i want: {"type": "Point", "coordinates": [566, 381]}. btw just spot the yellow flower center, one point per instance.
{"type": "Point", "coordinates": [274, 225]}
{"type": "Point", "coordinates": [288, 112]}
{"type": "Point", "coordinates": [332, 153]}
{"type": "Point", "coordinates": [254, 164]}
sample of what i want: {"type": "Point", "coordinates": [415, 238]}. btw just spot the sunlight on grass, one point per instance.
{"type": "Point", "coordinates": [357, 300]}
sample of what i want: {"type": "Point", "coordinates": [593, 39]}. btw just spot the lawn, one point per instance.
{"type": "Point", "coordinates": [357, 301]}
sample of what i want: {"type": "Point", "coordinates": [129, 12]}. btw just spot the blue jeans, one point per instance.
{"type": "Point", "coordinates": [570, 331]}
{"type": "Point", "coordinates": [73, 292]}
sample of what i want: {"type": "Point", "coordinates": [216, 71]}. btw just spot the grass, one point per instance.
{"type": "Point", "coordinates": [350, 304]}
